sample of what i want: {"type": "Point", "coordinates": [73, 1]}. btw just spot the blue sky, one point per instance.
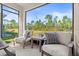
{"type": "Point", "coordinates": [55, 9]}
{"type": "Point", "coordinates": [10, 16]}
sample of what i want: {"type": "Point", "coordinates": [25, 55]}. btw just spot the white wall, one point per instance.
{"type": "Point", "coordinates": [76, 27]}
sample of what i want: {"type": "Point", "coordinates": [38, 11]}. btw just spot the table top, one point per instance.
{"type": "Point", "coordinates": [36, 38]}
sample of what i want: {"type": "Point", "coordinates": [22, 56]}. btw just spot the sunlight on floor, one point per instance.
{"type": "Point", "coordinates": [27, 51]}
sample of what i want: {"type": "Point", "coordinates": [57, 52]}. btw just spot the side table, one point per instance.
{"type": "Point", "coordinates": [37, 39]}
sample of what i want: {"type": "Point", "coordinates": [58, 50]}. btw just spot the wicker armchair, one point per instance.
{"type": "Point", "coordinates": [58, 44]}
{"type": "Point", "coordinates": [8, 50]}
{"type": "Point", "coordinates": [23, 39]}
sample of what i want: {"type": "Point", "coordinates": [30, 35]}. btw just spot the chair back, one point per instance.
{"type": "Point", "coordinates": [59, 37]}
{"type": "Point", "coordinates": [64, 37]}
{"type": "Point", "coordinates": [27, 34]}
{"type": "Point", "coordinates": [51, 38]}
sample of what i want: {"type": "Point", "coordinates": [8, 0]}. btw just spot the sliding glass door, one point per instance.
{"type": "Point", "coordinates": [9, 23]}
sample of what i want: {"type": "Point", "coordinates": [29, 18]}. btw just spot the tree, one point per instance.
{"type": "Point", "coordinates": [29, 27]}
{"type": "Point", "coordinates": [55, 21]}
{"type": "Point", "coordinates": [32, 22]}
{"type": "Point", "coordinates": [66, 23]}
{"type": "Point", "coordinates": [50, 23]}
{"type": "Point", "coordinates": [69, 24]}
{"type": "Point", "coordinates": [13, 24]}
{"type": "Point", "coordinates": [55, 24]}
{"type": "Point", "coordinates": [60, 25]}
{"type": "Point", "coordinates": [49, 18]}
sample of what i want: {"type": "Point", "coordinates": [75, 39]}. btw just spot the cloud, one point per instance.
{"type": "Point", "coordinates": [60, 15]}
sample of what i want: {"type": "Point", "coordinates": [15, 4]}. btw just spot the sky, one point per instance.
{"type": "Point", "coordinates": [9, 16]}
{"type": "Point", "coordinates": [55, 9]}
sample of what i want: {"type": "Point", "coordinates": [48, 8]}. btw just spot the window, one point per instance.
{"type": "Point", "coordinates": [51, 17]}
{"type": "Point", "coordinates": [9, 23]}
{"type": "Point", "coordinates": [10, 9]}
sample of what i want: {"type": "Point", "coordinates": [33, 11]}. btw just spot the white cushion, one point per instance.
{"type": "Point", "coordinates": [56, 49]}
{"type": "Point", "coordinates": [20, 39]}
{"type": "Point", "coordinates": [12, 50]}
{"type": "Point", "coordinates": [28, 39]}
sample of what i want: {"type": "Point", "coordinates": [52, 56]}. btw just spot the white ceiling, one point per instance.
{"type": "Point", "coordinates": [28, 6]}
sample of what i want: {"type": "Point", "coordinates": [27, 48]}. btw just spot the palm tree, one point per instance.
{"type": "Point", "coordinates": [55, 21]}
{"type": "Point", "coordinates": [60, 25]}
{"type": "Point", "coordinates": [49, 19]}
{"type": "Point", "coordinates": [32, 24]}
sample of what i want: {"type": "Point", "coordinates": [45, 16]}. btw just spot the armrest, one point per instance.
{"type": "Point", "coordinates": [21, 37]}
{"type": "Point", "coordinates": [71, 44]}
{"type": "Point", "coordinates": [28, 39]}
{"type": "Point", "coordinates": [3, 47]}
{"type": "Point", "coordinates": [45, 39]}
{"type": "Point", "coordinates": [45, 42]}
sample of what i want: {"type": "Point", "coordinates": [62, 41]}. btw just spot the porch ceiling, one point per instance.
{"type": "Point", "coordinates": [28, 6]}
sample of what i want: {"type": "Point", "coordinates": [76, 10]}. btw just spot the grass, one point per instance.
{"type": "Point", "coordinates": [8, 40]}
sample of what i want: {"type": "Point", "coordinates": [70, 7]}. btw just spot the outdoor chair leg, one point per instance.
{"type": "Point", "coordinates": [14, 43]}
{"type": "Point", "coordinates": [40, 45]}
{"type": "Point", "coordinates": [41, 53]}
{"type": "Point", "coordinates": [31, 43]}
{"type": "Point", "coordinates": [24, 45]}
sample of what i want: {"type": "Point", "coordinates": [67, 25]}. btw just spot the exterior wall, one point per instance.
{"type": "Point", "coordinates": [24, 21]}
{"type": "Point", "coordinates": [76, 27]}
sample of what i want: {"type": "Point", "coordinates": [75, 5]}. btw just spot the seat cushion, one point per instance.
{"type": "Point", "coordinates": [11, 49]}
{"type": "Point", "coordinates": [19, 40]}
{"type": "Point", "coordinates": [57, 50]}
